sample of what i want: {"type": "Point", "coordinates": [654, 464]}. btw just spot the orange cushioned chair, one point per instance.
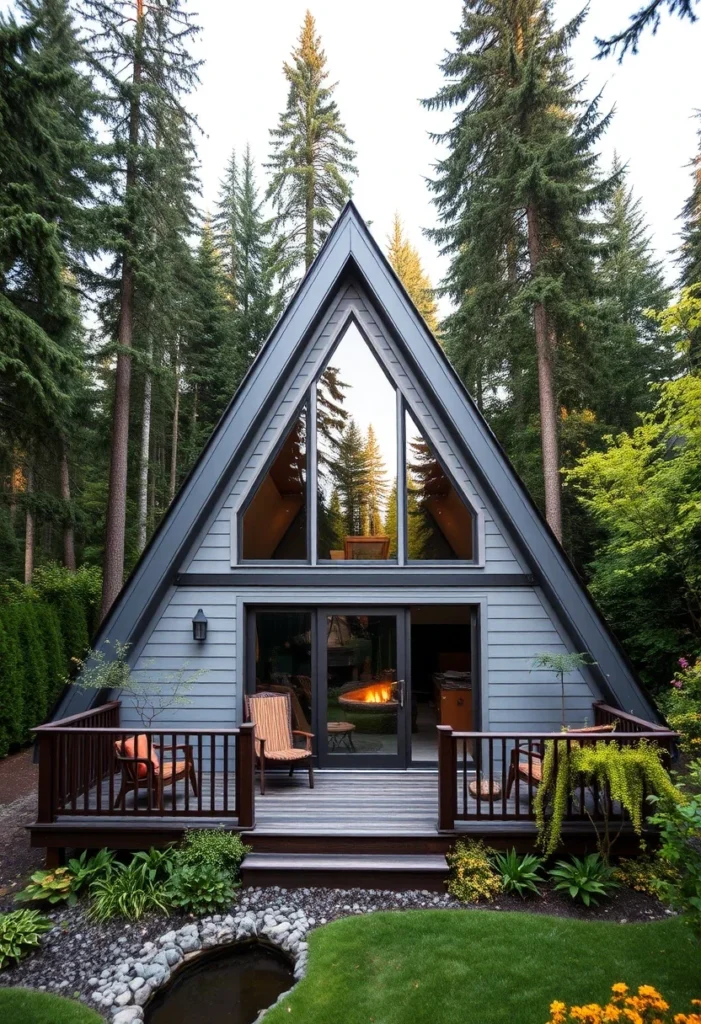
{"type": "Point", "coordinates": [139, 771]}
{"type": "Point", "coordinates": [271, 713]}
{"type": "Point", "coordinates": [531, 770]}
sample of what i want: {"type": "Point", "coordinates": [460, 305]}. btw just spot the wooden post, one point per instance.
{"type": "Point", "coordinates": [447, 779]}
{"type": "Point", "coordinates": [245, 776]}
{"type": "Point", "coordinates": [45, 808]}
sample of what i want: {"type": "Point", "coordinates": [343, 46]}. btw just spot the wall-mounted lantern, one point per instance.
{"type": "Point", "coordinates": [199, 626]}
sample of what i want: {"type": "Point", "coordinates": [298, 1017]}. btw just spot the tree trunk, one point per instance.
{"type": "Point", "coordinates": [68, 532]}
{"type": "Point", "coordinates": [29, 528]}
{"type": "Point", "coordinates": [546, 344]}
{"type": "Point", "coordinates": [176, 424]}
{"type": "Point", "coordinates": [113, 562]}
{"type": "Point", "coordinates": [142, 513]}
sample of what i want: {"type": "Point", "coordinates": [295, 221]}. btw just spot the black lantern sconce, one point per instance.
{"type": "Point", "coordinates": [199, 626]}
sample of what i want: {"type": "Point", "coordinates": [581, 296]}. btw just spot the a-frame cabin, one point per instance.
{"type": "Point", "coordinates": [352, 537]}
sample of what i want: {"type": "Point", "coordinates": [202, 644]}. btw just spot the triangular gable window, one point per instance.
{"type": "Point", "coordinates": [356, 458]}
{"type": "Point", "coordinates": [356, 432]}
{"type": "Point", "coordinates": [440, 527]}
{"type": "Point", "coordinates": [274, 523]}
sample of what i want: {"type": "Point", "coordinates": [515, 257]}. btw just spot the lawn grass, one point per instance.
{"type": "Point", "coordinates": [23, 1006]}
{"type": "Point", "coordinates": [481, 967]}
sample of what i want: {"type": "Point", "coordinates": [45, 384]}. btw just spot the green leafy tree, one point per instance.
{"type": "Point", "coordinates": [515, 196]}
{"type": "Point", "coordinates": [690, 252]}
{"type": "Point", "coordinates": [644, 492]}
{"type": "Point", "coordinates": [561, 665]}
{"type": "Point", "coordinates": [312, 156]}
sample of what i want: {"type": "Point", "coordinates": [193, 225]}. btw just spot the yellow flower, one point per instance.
{"type": "Point", "coordinates": [620, 988]}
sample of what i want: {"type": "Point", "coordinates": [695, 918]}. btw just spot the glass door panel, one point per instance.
{"type": "Point", "coordinates": [362, 689]}
{"type": "Point", "coordinates": [282, 642]}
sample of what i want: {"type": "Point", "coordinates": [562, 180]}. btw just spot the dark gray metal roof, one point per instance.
{"type": "Point", "coordinates": [350, 253]}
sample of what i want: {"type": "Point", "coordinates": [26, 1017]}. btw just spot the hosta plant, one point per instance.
{"type": "Point", "coordinates": [86, 869]}
{"type": "Point", "coordinates": [584, 879]}
{"type": "Point", "coordinates": [51, 886]}
{"type": "Point", "coordinates": [519, 874]}
{"type": "Point", "coordinates": [19, 933]}
{"type": "Point", "coordinates": [201, 888]}
{"type": "Point", "coordinates": [646, 1007]}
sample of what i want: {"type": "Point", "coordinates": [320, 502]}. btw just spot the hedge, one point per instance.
{"type": "Point", "coordinates": [44, 630]}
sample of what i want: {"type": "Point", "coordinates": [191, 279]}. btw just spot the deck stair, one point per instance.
{"type": "Point", "coordinates": [397, 872]}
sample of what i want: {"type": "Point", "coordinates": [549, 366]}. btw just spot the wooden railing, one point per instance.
{"type": "Point", "coordinates": [81, 774]}
{"type": "Point", "coordinates": [494, 776]}
{"type": "Point", "coordinates": [604, 714]}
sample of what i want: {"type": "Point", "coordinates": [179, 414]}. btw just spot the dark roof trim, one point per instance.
{"type": "Point", "coordinates": [314, 576]}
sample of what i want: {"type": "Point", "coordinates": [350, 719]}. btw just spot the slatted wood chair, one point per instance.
{"type": "Point", "coordinates": [531, 769]}
{"type": "Point", "coordinates": [271, 714]}
{"type": "Point", "coordinates": [139, 771]}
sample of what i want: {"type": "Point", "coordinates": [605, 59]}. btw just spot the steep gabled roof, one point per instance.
{"type": "Point", "coordinates": [351, 253]}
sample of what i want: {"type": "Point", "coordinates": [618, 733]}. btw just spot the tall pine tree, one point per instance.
{"type": "Point", "coordinates": [515, 195]}
{"type": "Point", "coordinates": [312, 156]}
{"type": "Point", "coordinates": [406, 261]}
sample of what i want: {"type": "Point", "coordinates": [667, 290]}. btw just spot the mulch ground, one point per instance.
{"type": "Point", "coordinates": [18, 799]}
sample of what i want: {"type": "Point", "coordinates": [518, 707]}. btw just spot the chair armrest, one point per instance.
{"type": "Point", "coordinates": [187, 747]}
{"type": "Point", "coordinates": [133, 760]}
{"type": "Point", "coordinates": [300, 732]}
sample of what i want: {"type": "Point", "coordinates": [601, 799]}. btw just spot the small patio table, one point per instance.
{"type": "Point", "coordinates": [340, 735]}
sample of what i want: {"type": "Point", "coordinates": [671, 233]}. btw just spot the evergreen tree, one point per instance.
{"type": "Point", "coordinates": [335, 521]}
{"type": "Point", "coordinates": [406, 262]}
{"type": "Point", "coordinates": [140, 54]}
{"type": "Point", "coordinates": [515, 195]}
{"type": "Point", "coordinates": [690, 252]}
{"type": "Point", "coordinates": [376, 484]}
{"type": "Point", "coordinates": [312, 155]}
{"type": "Point", "coordinates": [632, 351]}
{"type": "Point", "coordinates": [350, 475]}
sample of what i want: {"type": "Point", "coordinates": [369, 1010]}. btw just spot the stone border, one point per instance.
{"type": "Point", "coordinates": [124, 988]}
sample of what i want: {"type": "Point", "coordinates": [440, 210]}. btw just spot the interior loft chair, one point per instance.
{"type": "Point", "coordinates": [139, 771]}
{"type": "Point", "coordinates": [271, 714]}
{"type": "Point", "coordinates": [531, 769]}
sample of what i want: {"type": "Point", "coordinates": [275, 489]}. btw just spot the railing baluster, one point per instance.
{"type": "Point", "coordinates": [491, 777]}
{"type": "Point", "coordinates": [212, 770]}
{"type": "Point", "coordinates": [188, 768]}
{"type": "Point", "coordinates": [200, 779]}
{"type": "Point", "coordinates": [503, 773]}
{"type": "Point", "coordinates": [173, 775]}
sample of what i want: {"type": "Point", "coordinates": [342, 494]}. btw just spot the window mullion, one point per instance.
{"type": "Point", "coordinates": [312, 483]}
{"type": "Point", "coordinates": [401, 483]}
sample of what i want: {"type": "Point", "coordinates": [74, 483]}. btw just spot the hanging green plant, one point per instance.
{"type": "Point", "coordinates": [625, 773]}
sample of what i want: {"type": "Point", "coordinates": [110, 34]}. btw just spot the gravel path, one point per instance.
{"type": "Point", "coordinates": [18, 799]}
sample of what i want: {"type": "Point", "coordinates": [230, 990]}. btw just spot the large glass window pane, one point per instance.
{"type": "Point", "coordinates": [284, 660]}
{"type": "Point", "coordinates": [357, 456]}
{"type": "Point", "coordinates": [439, 523]}
{"type": "Point", "coordinates": [275, 522]}
{"type": "Point", "coordinates": [362, 704]}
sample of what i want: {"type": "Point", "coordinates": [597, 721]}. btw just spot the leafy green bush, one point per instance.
{"type": "Point", "coordinates": [519, 874]}
{"type": "Point", "coordinates": [126, 892]}
{"type": "Point", "coordinates": [19, 933]}
{"type": "Point", "coordinates": [584, 879]}
{"type": "Point", "coordinates": [201, 888]}
{"type": "Point", "coordinates": [215, 848]}
{"type": "Point", "coordinates": [682, 705]}
{"type": "Point", "coordinates": [11, 684]}
{"type": "Point", "coordinates": [643, 873]}
{"type": "Point", "coordinates": [472, 874]}
{"type": "Point", "coordinates": [86, 869]}
{"type": "Point", "coordinates": [680, 849]}
{"type": "Point", "coordinates": [51, 886]}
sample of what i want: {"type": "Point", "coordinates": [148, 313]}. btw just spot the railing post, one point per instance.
{"type": "Point", "coordinates": [447, 779]}
{"type": "Point", "coordinates": [46, 811]}
{"type": "Point", "coordinates": [245, 776]}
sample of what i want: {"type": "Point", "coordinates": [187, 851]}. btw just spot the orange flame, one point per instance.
{"type": "Point", "coordinates": [380, 693]}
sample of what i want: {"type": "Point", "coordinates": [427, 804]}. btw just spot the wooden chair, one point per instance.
{"type": "Point", "coordinates": [139, 771]}
{"type": "Point", "coordinates": [271, 713]}
{"type": "Point", "coordinates": [531, 770]}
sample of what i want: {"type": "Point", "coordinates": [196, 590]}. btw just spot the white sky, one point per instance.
{"type": "Point", "coordinates": [384, 55]}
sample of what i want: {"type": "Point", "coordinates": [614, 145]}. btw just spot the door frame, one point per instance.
{"type": "Point", "coordinates": [326, 759]}
{"type": "Point", "coordinates": [250, 604]}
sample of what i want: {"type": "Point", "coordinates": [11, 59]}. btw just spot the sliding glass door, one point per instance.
{"type": "Point", "coordinates": [344, 670]}
{"type": "Point", "coordinates": [361, 688]}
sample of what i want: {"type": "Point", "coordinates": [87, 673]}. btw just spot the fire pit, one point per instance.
{"type": "Point", "coordinates": [377, 696]}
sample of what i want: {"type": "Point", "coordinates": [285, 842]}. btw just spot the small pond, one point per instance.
{"type": "Point", "coordinates": [227, 986]}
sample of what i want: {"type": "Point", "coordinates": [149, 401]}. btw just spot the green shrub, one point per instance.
{"type": "Point", "coordinates": [472, 874]}
{"type": "Point", "coordinates": [74, 629]}
{"type": "Point", "coordinates": [519, 874]}
{"type": "Point", "coordinates": [19, 933]}
{"type": "Point", "coordinates": [11, 684]}
{"type": "Point", "coordinates": [201, 888]}
{"type": "Point", "coordinates": [87, 869]}
{"type": "Point", "coordinates": [215, 848]}
{"type": "Point", "coordinates": [127, 891]}
{"type": "Point", "coordinates": [51, 886]}
{"type": "Point", "coordinates": [682, 705]}
{"type": "Point", "coordinates": [35, 666]}
{"type": "Point", "coordinates": [584, 879]}
{"type": "Point", "coordinates": [680, 849]}
{"type": "Point", "coordinates": [54, 651]}
{"type": "Point", "coordinates": [643, 873]}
